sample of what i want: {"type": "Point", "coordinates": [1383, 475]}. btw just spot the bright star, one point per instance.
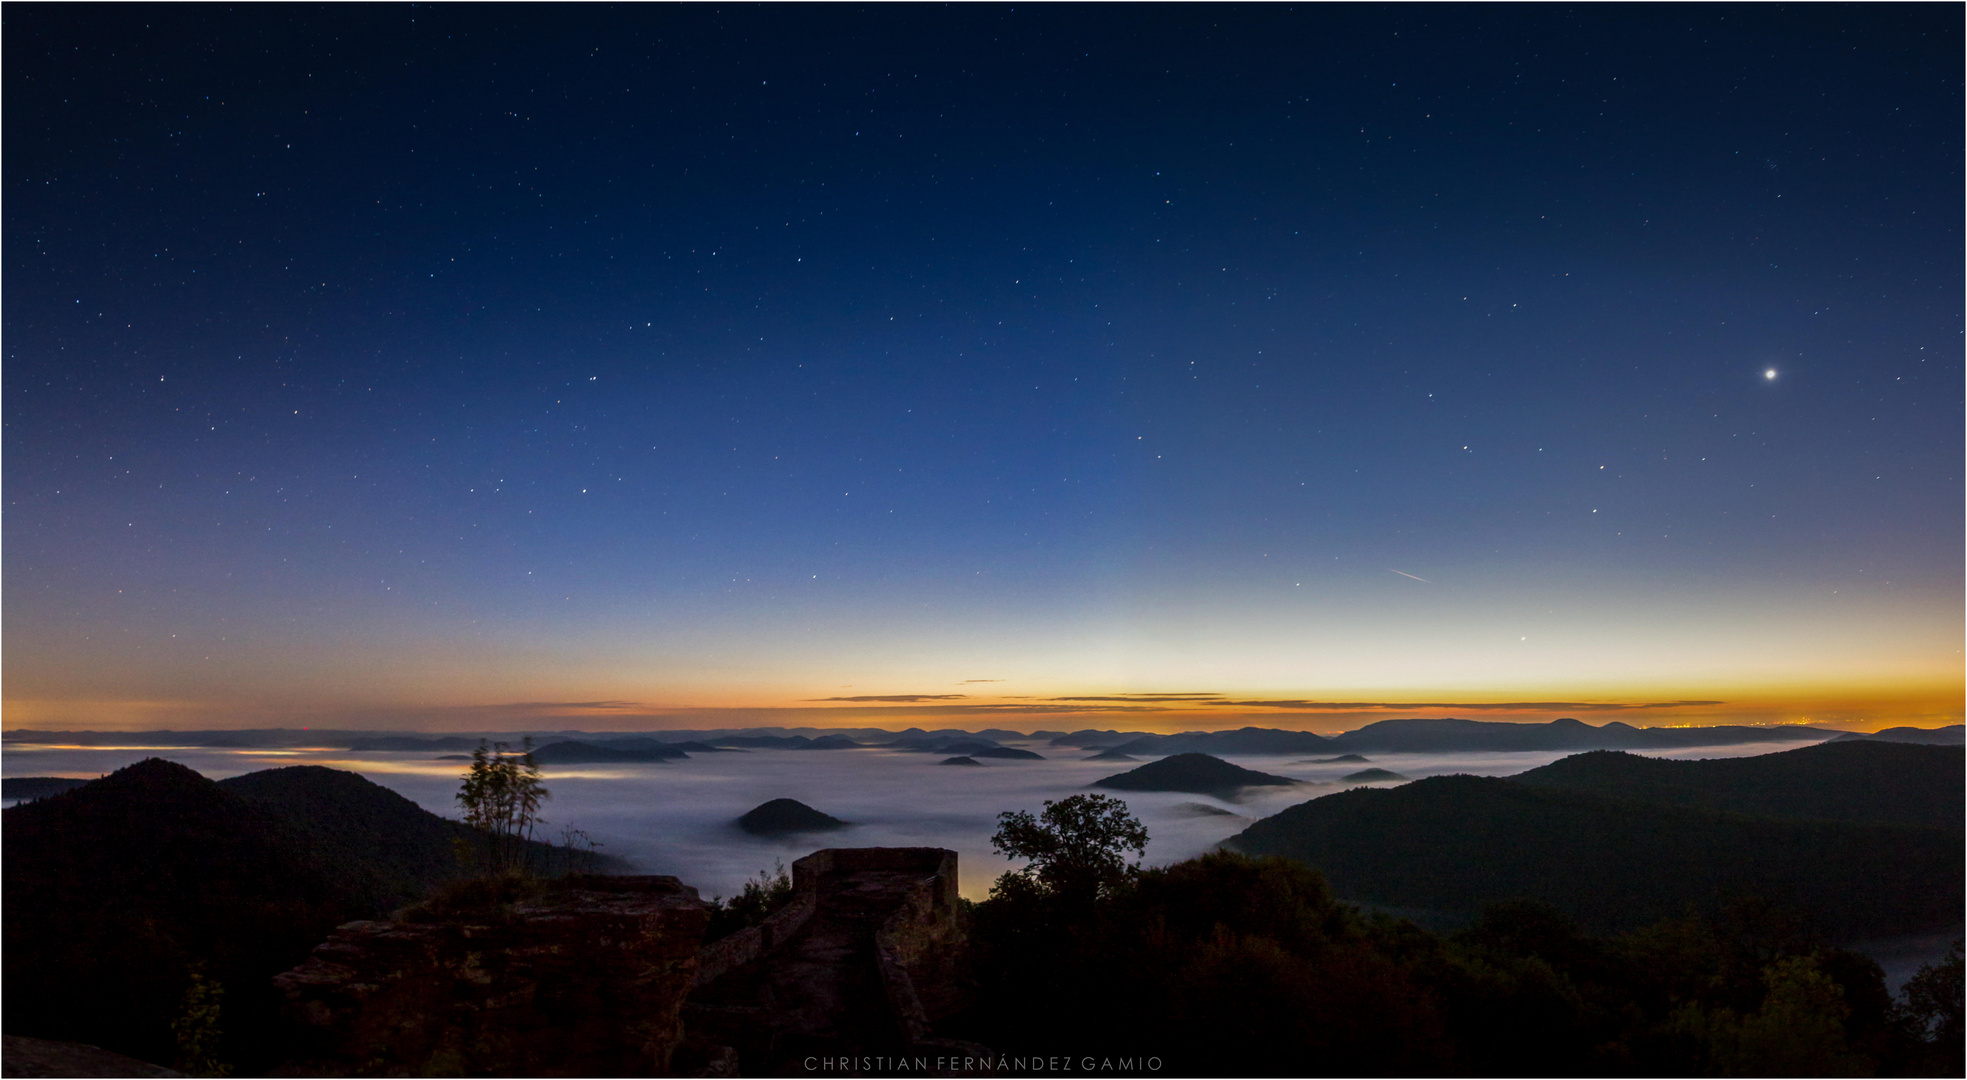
{"type": "Point", "coordinates": [1769, 374]}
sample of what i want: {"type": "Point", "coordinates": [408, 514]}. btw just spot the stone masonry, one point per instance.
{"type": "Point", "coordinates": [864, 962]}
{"type": "Point", "coordinates": [587, 979]}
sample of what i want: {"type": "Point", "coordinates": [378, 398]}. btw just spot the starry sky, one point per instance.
{"type": "Point", "coordinates": [1034, 366]}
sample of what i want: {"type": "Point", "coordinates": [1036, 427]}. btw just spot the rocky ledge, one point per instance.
{"type": "Point", "coordinates": [585, 976]}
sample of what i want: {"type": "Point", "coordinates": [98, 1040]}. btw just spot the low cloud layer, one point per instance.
{"type": "Point", "coordinates": [676, 817]}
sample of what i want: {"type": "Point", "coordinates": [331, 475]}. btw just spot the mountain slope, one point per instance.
{"type": "Point", "coordinates": [1456, 843]}
{"type": "Point", "coordinates": [117, 890]}
{"type": "Point", "coordinates": [1841, 780]}
{"type": "Point", "coordinates": [1950, 735]}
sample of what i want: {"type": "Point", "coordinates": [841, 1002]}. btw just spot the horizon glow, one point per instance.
{"type": "Point", "coordinates": [1434, 363]}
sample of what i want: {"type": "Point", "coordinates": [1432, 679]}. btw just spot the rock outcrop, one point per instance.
{"type": "Point", "coordinates": [23, 1056]}
{"type": "Point", "coordinates": [587, 978]}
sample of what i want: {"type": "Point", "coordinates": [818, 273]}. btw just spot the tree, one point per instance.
{"type": "Point", "coordinates": [1933, 1008]}
{"type": "Point", "coordinates": [1074, 847]}
{"type": "Point", "coordinates": [1798, 1030]}
{"type": "Point", "coordinates": [197, 1028]}
{"type": "Point", "coordinates": [501, 796]}
{"type": "Point", "coordinates": [761, 898]}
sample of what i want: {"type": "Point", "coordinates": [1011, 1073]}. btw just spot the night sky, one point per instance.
{"type": "Point", "coordinates": [1151, 367]}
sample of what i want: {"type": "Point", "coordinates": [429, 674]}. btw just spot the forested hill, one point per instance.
{"type": "Point", "coordinates": [1201, 774]}
{"type": "Point", "coordinates": [1846, 780]}
{"type": "Point", "coordinates": [1453, 844]}
{"type": "Point", "coordinates": [118, 890]}
{"type": "Point", "coordinates": [396, 849]}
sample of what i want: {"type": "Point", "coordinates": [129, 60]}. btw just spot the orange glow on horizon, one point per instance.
{"type": "Point", "coordinates": [1850, 708]}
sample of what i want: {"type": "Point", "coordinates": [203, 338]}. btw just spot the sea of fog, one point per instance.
{"type": "Point", "coordinates": [676, 817]}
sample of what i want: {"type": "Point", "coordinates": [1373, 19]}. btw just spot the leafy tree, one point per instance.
{"type": "Point", "coordinates": [1933, 997]}
{"type": "Point", "coordinates": [501, 795]}
{"type": "Point", "coordinates": [197, 1028]}
{"type": "Point", "coordinates": [1221, 965]}
{"type": "Point", "coordinates": [1798, 1030]}
{"type": "Point", "coordinates": [1074, 847]}
{"type": "Point", "coordinates": [1933, 1010]}
{"type": "Point", "coordinates": [761, 897]}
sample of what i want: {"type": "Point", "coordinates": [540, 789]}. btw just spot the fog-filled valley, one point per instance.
{"type": "Point", "coordinates": [676, 816]}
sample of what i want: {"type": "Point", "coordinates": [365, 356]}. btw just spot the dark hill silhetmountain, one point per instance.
{"type": "Point", "coordinates": [116, 889]}
{"type": "Point", "coordinates": [969, 747]}
{"type": "Point", "coordinates": [1951, 735]}
{"type": "Point", "coordinates": [1456, 843]}
{"type": "Point", "coordinates": [833, 742]}
{"type": "Point", "coordinates": [1200, 774]}
{"type": "Point", "coordinates": [1372, 776]}
{"type": "Point", "coordinates": [1112, 755]}
{"type": "Point", "coordinates": [695, 747]}
{"type": "Point", "coordinates": [573, 752]}
{"type": "Point", "coordinates": [1454, 735]}
{"type": "Point", "coordinates": [785, 817]}
{"type": "Point", "coordinates": [965, 760]}
{"type": "Point", "coordinates": [1348, 759]}
{"type": "Point", "coordinates": [1196, 809]}
{"type": "Point", "coordinates": [377, 840]}
{"type": "Point", "coordinates": [1090, 739]}
{"type": "Point", "coordinates": [1007, 753]}
{"type": "Point", "coordinates": [412, 743]}
{"type": "Point", "coordinates": [788, 742]}
{"type": "Point", "coordinates": [1843, 780]}
{"type": "Point", "coordinates": [1249, 740]}
{"type": "Point", "coordinates": [36, 787]}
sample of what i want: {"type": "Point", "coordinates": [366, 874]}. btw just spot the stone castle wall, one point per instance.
{"type": "Point", "coordinates": [587, 979]}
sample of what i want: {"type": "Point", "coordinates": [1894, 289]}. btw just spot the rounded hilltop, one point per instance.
{"type": "Point", "coordinates": [786, 817]}
{"type": "Point", "coordinates": [1200, 774]}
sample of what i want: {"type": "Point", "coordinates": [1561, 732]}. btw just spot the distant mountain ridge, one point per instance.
{"type": "Point", "coordinates": [1951, 735]}
{"type": "Point", "coordinates": [1249, 740]}
{"type": "Point", "coordinates": [36, 787]}
{"type": "Point", "coordinates": [573, 752]}
{"type": "Point", "coordinates": [1398, 735]}
{"type": "Point", "coordinates": [1451, 735]}
{"type": "Point", "coordinates": [1445, 736]}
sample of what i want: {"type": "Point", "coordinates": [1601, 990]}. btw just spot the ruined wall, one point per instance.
{"type": "Point", "coordinates": [865, 960]}
{"type": "Point", "coordinates": [920, 947]}
{"type": "Point", "coordinates": [587, 979]}
{"type": "Point", "coordinates": [743, 947]}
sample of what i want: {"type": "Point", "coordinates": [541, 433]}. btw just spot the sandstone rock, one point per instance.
{"type": "Point", "coordinates": [22, 1056]}
{"type": "Point", "coordinates": [585, 979]}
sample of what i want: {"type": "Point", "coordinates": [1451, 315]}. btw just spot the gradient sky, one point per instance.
{"type": "Point", "coordinates": [675, 366]}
